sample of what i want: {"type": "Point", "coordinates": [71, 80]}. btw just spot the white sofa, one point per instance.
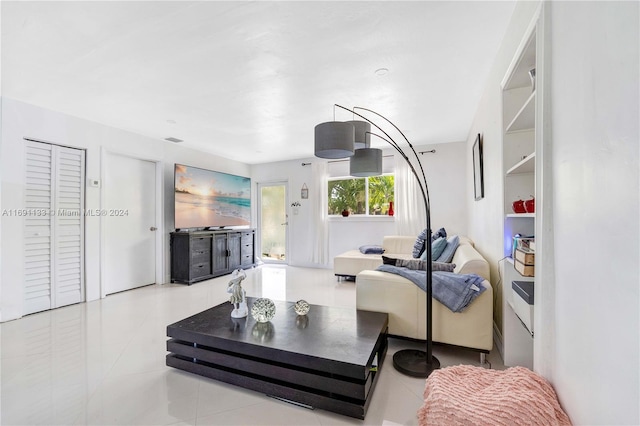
{"type": "Point", "coordinates": [406, 303]}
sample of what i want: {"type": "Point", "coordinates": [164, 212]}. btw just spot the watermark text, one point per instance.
{"type": "Point", "coordinates": [64, 212]}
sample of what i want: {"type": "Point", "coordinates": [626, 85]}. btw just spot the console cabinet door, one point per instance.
{"type": "Point", "coordinates": [233, 245]}
{"type": "Point", "coordinates": [220, 254]}
{"type": "Point", "coordinates": [200, 257]}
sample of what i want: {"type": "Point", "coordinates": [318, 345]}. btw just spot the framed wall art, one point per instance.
{"type": "Point", "coordinates": [478, 175]}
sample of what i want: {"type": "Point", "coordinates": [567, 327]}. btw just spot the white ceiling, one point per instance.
{"type": "Point", "coordinates": [250, 80]}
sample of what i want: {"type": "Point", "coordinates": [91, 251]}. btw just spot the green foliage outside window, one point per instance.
{"type": "Point", "coordinates": [380, 193]}
{"type": "Point", "coordinates": [351, 194]}
{"type": "Point", "coordinates": [347, 194]}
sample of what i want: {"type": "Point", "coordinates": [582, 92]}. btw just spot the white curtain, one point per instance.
{"type": "Point", "coordinates": [319, 221]}
{"type": "Point", "coordinates": [409, 207]}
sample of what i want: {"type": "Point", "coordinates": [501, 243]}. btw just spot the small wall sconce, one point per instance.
{"type": "Point", "coordinates": [304, 193]}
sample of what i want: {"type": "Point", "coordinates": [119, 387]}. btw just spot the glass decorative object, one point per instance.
{"type": "Point", "coordinates": [301, 307]}
{"type": "Point", "coordinates": [263, 310]}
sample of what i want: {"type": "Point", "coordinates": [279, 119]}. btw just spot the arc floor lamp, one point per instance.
{"type": "Point", "coordinates": [335, 139]}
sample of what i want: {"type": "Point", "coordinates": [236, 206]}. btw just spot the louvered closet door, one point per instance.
{"type": "Point", "coordinates": [38, 240]}
{"type": "Point", "coordinates": [54, 227]}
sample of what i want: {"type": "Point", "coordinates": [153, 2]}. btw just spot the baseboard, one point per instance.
{"type": "Point", "coordinates": [497, 340]}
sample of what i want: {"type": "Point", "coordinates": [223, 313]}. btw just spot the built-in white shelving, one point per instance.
{"type": "Point", "coordinates": [519, 171]}
{"type": "Point", "coordinates": [527, 165]}
{"type": "Point", "coordinates": [525, 118]}
{"type": "Point", "coordinates": [521, 215]}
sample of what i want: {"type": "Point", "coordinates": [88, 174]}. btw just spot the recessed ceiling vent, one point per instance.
{"type": "Point", "coordinates": [174, 140]}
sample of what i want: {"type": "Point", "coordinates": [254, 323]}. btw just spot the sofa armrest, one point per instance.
{"type": "Point", "coordinates": [398, 244]}
{"type": "Point", "coordinates": [469, 261]}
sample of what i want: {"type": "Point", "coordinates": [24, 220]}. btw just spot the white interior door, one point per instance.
{"type": "Point", "coordinates": [129, 213]}
{"type": "Point", "coordinates": [53, 226]}
{"type": "Point", "coordinates": [272, 202]}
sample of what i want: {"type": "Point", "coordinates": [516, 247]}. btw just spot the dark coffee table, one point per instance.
{"type": "Point", "coordinates": [327, 359]}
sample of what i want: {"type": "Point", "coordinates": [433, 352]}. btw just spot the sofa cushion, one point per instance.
{"type": "Point", "coordinates": [374, 249]}
{"type": "Point", "coordinates": [449, 250]}
{"type": "Point", "coordinates": [399, 244]}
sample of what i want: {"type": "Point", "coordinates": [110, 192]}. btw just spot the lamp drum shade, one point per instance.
{"type": "Point", "coordinates": [363, 134]}
{"type": "Point", "coordinates": [366, 162]}
{"type": "Point", "coordinates": [334, 139]}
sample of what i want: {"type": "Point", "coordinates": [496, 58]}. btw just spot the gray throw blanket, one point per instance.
{"type": "Point", "coordinates": [455, 291]}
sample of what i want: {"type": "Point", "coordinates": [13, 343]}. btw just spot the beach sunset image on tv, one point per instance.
{"type": "Point", "coordinates": [206, 198]}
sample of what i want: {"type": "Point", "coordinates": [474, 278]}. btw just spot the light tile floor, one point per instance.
{"type": "Point", "coordinates": [103, 362]}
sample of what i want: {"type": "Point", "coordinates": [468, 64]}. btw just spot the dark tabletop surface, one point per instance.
{"type": "Point", "coordinates": [332, 333]}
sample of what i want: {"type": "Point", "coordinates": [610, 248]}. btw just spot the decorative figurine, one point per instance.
{"type": "Point", "coordinates": [238, 296]}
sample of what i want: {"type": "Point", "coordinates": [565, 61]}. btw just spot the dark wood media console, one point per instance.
{"type": "Point", "coordinates": [202, 255]}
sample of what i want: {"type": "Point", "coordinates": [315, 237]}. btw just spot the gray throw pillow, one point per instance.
{"type": "Point", "coordinates": [418, 246]}
{"type": "Point", "coordinates": [419, 265]}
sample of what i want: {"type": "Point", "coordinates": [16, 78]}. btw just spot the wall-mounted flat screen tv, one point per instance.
{"type": "Point", "coordinates": [210, 199]}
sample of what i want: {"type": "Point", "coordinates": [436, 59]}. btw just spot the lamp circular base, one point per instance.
{"type": "Point", "coordinates": [414, 363]}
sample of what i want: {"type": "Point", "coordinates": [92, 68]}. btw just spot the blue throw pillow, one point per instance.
{"type": "Point", "coordinates": [437, 247]}
{"type": "Point", "coordinates": [449, 250]}
{"type": "Point", "coordinates": [418, 246]}
{"type": "Point", "coordinates": [371, 249]}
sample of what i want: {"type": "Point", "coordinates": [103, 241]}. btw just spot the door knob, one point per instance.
{"type": "Point", "coordinates": [153, 228]}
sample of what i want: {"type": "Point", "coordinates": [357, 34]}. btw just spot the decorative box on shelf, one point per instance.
{"type": "Point", "coordinates": [520, 241]}
{"type": "Point", "coordinates": [524, 261]}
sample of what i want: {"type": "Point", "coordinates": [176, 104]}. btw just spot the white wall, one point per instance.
{"type": "Point", "coordinates": [23, 120]}
{"type": "Point", "coordinates": [590, 350]}
{"type": "Point", "coordinates": [446, 173]}
{"type": "Point", "coordinates": [595, 166]}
